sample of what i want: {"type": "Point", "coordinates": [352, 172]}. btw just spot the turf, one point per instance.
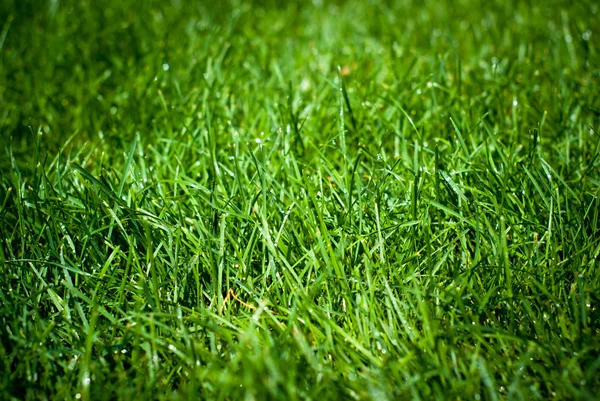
{"type": "Point", "coordinates": [293, 200]}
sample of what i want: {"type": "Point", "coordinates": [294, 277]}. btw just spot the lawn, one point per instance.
{"type": "Point", "coordinates": [370, 200]}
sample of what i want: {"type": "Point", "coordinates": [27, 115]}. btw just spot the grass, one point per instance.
{"type": "Point", "coordinates": [326, 200]}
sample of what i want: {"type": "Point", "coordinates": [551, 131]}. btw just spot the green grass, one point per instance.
{"type": "Point", "coordinates": [354, 200]}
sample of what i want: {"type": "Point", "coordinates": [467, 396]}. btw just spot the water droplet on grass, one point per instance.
{"type": "Point", "coordinates": [586, 35]}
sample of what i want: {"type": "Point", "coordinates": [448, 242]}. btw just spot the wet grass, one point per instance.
{"type": "Point", "coordinates": [352, 200]}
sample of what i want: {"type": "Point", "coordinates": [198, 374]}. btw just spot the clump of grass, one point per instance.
{"type": "Point", "coordinates": [299, 201]}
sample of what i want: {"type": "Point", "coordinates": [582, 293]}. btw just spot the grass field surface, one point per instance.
{"type": "Point", "coordinates": [239, 200]}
